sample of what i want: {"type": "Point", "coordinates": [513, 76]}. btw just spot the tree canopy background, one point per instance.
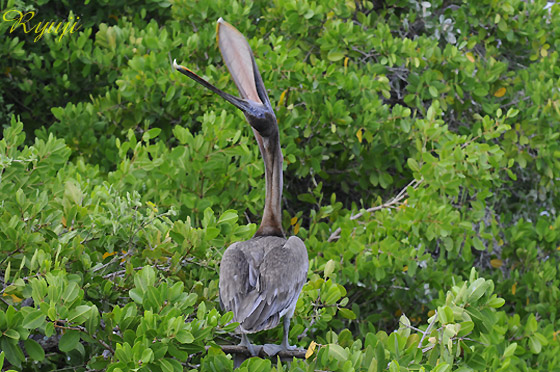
{"type": "Point", "coordinates": [422, 168]}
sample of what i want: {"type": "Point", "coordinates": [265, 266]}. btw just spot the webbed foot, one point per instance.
{"type": "Point", "coordinates": [254, 350]}
{"type": "Point", "coordinates": [273, 349]}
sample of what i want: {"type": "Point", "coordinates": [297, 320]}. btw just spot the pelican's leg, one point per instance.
{"type": "Point", "coordinates": [272, 349]}
{"type": "Point", "coordinates": [247, 343]}
{"type": "Point", "coordinates": [285, 341]}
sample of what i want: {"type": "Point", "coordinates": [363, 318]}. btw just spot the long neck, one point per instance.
{"type": "Point", "coordinates": [271, 223]}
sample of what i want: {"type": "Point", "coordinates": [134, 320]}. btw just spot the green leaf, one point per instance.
{"type": "Point", "coordinates": [150, 134]}
{"type": "Point", "coordinates": [12, 350]}
{"type": "Point", "coordinates": [347, 313]}
{"type": "Point", "coordinates": [34, 350]}
{"type": "Point", "coordinates": [136, 295]}
{"type": "Point", "coordinates": [256, 365]}
{"type": "Point", "coordinates": [510, 350]}
{"type": "Point", "coordinates": [147, 355]}
{"type": "Point", "coordinates": [335, 55]}
{"type": "Point", "coordinates": [413, 164]}
{"type": "Point", "coordinates": [477, 290]}
{"type": "Point", "coordinates": [79, 314]}
{"type": "Point", "coordinates": [466, 328]}
{"type": "Point", "coordinates": [442, 367]}
{"type": "Point", "coordinates": [477, 362]}
{"type": "Point", "coordinates": [49, 329]}
{"type": "Point", "coordinates": [166, 365]}
{"type": "Point", "coordinates": [229, 216]}
{"type": "Point", "coordinates": [333, 294]}
{"type": "Point", "coordinates": [69, 341]}
{"type": "Point", "coordinates": [433, 91]}
{"type": "Point", "coordinates": [478, 244]}
{"type": "Point", "coordinates": [226, 318]}
{"type": "Point", "coordinates": [535, 345]}
{"type": "Point", "coordinates": [532, 325]}
{"type": "Point", "coordinates": [496, 302]}
{"type": "Point", "coordinates": [184, 337]}
{"type": "Point", "coordinates": [34, 319]}
{"type": "Point", "coordinates": [337, 352]}
{"type": "Point", "coordinates": [71, 292]}
{"type": "Point", "coordinates": [329, 268]}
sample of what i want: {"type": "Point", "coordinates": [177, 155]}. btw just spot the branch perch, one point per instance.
{"type": "Point", "coordinates": [242, 350]}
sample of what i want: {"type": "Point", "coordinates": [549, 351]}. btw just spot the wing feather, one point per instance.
{"type": "Point", "coordinates": [281, 266]}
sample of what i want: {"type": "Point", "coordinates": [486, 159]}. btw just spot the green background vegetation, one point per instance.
{"type": "Point", "coordinates": [422, 168]}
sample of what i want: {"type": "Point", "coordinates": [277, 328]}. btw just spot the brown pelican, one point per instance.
{"type": "Point", "coordinates": [261, 278]}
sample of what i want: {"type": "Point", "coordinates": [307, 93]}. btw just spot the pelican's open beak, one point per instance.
{"type": "Point", "coordinates": [237, 102]}
{"type": "Point", "coordinates": [240, 62]}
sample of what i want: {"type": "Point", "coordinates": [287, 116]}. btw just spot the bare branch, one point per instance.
{"type": "Point", "coordinates": [284, 355]}
{"type": "Point", "coordinates": [411, 327]}
{"type": "Point", "coordinates": [389, 204]}
{"type": "Point", "coordinates": [427, 332]}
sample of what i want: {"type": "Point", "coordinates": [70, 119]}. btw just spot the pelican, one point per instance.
{"type": "Point", "coordinates": [261, 278]}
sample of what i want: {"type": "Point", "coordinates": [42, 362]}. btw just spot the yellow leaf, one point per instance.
{"type": "Point", "coordinates": [310, 349]}
{"type": "Point", "coordinates": [107, 254]}
{"type": "Point", "coordinates": [500, 92]}
{"type": "Point", "coordinates": [405, 268]}
{"type": "Point", "coordinates": [15, 298]}
{"type": "Point", "coordinates": [346, 62]}
{"type": "Point", "coordinates": [544, 53]}
{"type": "Point", "coordinates": [470, 57]}
{"type": "Point", "coordinates": [496, 263]}
{"type": "Point", "coordinates": [282, 97]}
{"type": "Point", "coordinates": [431, 313]}
{"type": "Point", "coordinates": [513, 288]}
{"type": "Point", "coordinates": [359, 135]}
{"type": "Point", "coordinates": [63, 221]}
{"type": "Point", "coordinates": [296, 229]}
{"type": "Point", "coordinates": [152, 206]}
{"type": "Point", "coordinates": [293, 221]}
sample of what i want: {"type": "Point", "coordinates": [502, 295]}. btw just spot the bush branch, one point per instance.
{"type": "Point", "coordinates": [389, 204]}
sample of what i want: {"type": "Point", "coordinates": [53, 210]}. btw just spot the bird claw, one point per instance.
{"type": "Point", "coordinates": [254, 350]}
{"type": "Point", "coordinates": [273, 349]}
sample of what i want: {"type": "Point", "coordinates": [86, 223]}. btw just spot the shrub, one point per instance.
{"type": "Point", "coordinates": [421, 165]}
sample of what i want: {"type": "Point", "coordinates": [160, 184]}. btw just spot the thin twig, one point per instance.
{"type": "Point", "coordinates": [411, 327]}
{"type": "Point", "coordinates": [428, 330]}
{"type": "Point", "coordinates": [83, 329]}
{"type": "Point", "coordinates": [115, 259]}
{"type": "Point", "coordinates": [395, 200]}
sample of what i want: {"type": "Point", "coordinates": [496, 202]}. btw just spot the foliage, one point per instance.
{"type": "Point", "coordinates": [421, 160]}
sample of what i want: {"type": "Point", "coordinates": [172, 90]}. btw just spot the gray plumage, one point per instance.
{"type": "Point", "coordinates": [260, 280]}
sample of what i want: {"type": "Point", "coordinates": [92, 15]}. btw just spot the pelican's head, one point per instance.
{"type": "Point", "coordinates": [238, 56]}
